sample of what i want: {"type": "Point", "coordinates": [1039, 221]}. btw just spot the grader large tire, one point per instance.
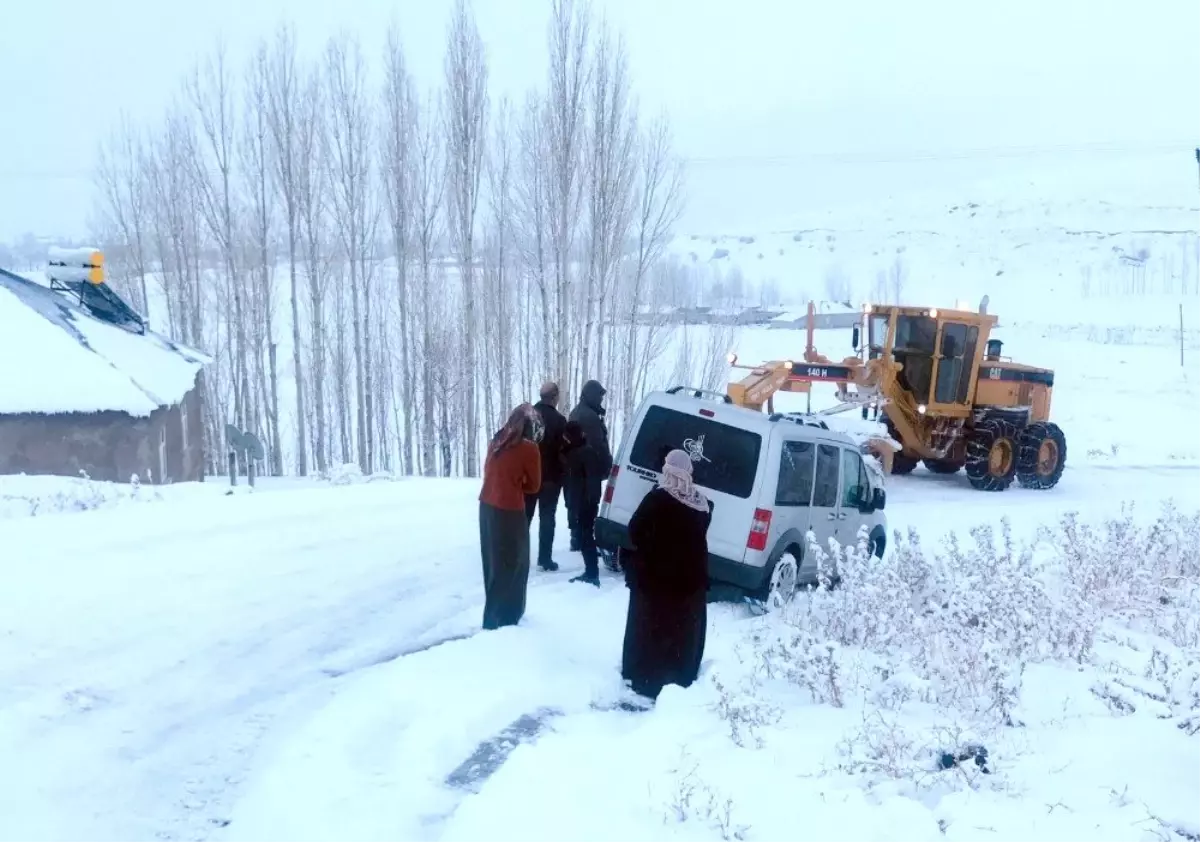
{"type": "Point", "coordinates": [992, 452]}
{"type": "Point", "coordinates": [943, 466]}
{"type": "Point", "coordinates": [1042, 456]}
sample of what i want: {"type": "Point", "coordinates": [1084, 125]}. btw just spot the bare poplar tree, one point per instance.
{"type": "Point", "coordinates": [283, 107]}
{"type": "Point", "coordinates": [897, 279]}
{"type": "Point", "coordinates": [120, 178]}
{"type": "Point", "coordinates": [350, 134]}
{"type": "Point", "coordinates": [427, 189]}
{"type": "Point", "coordinates": [658, 204]}
{"type": "Point", "coordinates": [612, 166]}
{"type": "Point", "coordinates": [569, 27]}
{"type": "Point", "coordinates": [312, 177]}
{"type": "Point", "coordinates": [211, 92]}
{"type": "Point", "coordinates": [531, 200]}
{"type": "Point", "coordinates": [259, 198]}
{"type": "Point", "coordinates": [465, 116]}
{"type": "Point", "coordinates": [500, 192]}
{"type": "Point", "coordinates": [399, 103]}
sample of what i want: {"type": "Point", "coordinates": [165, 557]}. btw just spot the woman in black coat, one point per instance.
{"type": "Point", "coordinates": [667, 577]}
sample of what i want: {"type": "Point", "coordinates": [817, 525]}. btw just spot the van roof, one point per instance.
{"type": "Point", "coordinates": [742, 417]}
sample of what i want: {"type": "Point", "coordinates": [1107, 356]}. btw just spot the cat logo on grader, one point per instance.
{"type": "Point", "coordinates": [948, 396]}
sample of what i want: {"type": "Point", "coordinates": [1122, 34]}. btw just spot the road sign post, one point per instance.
{"type": "Point", "coordinates": [246, 445]}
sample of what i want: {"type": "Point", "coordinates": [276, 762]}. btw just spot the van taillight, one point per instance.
{"type": "Point", "coordinates": [759, 529]}
{"type": "Point", "coordinates": [708, 413]}
{"type": "Point", "coordinates": [612, 482]}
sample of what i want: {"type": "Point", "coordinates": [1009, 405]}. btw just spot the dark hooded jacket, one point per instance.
{"type": "Point", "coordinates": [551, 445]}
{"type": "Point", "coordinates": [589, 415]}
{"type": "Point", "coordinates": [584, 474]}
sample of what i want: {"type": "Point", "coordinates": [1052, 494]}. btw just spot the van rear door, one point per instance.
{"type": "Point", "coordinates": [724, 464]}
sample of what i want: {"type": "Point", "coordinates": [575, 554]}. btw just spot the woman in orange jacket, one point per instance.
{"type": "Point", "coordinates": [512, 470]}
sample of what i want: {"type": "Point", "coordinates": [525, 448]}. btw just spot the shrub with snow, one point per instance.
{"type": "Point", "coordinates": [29, 496]}
{"type": "Point", "coordinates": [349, 473]}
{"type": "Point", "coordinates": [933, 646]}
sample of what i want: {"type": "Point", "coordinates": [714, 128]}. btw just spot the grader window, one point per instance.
{"type": "Point", "coordinates": [877, 329]}
{"type": "Point", "coordinates": [916, 337]}
{"type": "Point", "coordinates": [954, 364]}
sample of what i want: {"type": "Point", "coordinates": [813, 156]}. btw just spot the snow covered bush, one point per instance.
{"type": "Point", "coordinates": [691, 799]}
{"type": "Point", "coordinates": [744, 711]}
{"type": "Point", "coordinates": [1147, 576]}
{"type": "Point", "coordinates": [948, 635]}
{"type": "Point", "coordinates": [30, 496]}
{"type": "Point", "coordinates": [349, 473]}
{"type": "Point", "coordinates": [955, 627]}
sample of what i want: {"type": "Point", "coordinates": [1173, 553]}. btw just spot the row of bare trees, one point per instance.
{"type": "Point", "coordinates": [380, 272]}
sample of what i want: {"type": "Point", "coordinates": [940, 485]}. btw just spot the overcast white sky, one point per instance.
{"type": "Point", "coordinates": [747, 82]}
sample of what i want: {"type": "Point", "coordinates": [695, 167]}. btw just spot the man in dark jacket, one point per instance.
{"type": "Point", "coordinates": [589, 414]}
{"type": "Point", "coordinates": [583, 508]}
{"type": "Point", "coordinates": [545, 502]}
{"type": "Point", "coordinates": [583, 483]}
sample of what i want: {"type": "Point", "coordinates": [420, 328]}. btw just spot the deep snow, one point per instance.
{"type": "Point", "coordinates": [302, 662]}
{"type": "Point", "coordinates": [202, 667]}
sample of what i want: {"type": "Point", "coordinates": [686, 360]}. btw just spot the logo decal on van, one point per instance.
{"type": "Point", "coordinates": [695, 449]}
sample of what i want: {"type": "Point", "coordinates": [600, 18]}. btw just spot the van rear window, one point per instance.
{"type": "Point", "coordinates": [724, 458]}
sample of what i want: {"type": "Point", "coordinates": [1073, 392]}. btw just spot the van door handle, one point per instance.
{"type": "Point", "coordinates": [833, 515]}
{"type": "Point", "coordinates": [841, 516]}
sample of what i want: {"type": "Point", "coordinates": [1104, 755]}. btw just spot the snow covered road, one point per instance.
{"type": "Point", "coordinates": [158, 660]}
{"type": "Point", "coordinates": [146, 650]}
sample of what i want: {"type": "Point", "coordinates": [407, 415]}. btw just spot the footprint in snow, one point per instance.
{"type": "Point", "coordinates": [83, 700]}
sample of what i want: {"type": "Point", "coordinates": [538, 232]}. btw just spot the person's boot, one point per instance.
{"type": "Point", "coordinates": [590, 577]}
{"type": "Point", "coordinates": [548, 565]}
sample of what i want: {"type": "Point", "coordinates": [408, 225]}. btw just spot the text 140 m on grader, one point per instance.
{"type": "Point", "coordinates": [948, 395]}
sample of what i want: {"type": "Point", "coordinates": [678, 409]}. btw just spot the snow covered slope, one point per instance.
{"type": "Point", "coordinates": [1044, 253]}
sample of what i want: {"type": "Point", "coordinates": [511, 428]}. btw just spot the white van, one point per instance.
{"type": "Point", "coordinates": [771, 478]}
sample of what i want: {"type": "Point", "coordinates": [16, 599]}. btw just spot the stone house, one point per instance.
{"type": "Point", "coordinates": [81, 394]}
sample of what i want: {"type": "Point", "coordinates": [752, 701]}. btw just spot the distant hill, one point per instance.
{"type": "Point", "coordinates": [1115, 243]}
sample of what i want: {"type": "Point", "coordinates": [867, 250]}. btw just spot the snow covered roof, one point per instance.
{"type": "Point", "coordinates": [823, 307]}
{"type": "Point", "coordinates": [57, 358]}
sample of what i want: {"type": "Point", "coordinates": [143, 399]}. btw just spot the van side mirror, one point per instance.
{"type": "Point", "coordinates": [856, 337]}
{"type": "Point", "coordinates": [878, 499]}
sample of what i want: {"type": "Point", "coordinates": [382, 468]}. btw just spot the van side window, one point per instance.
{"type": "Point", "coordinates": [795, 474]}
{"type": "Point", "coordinates": [854, 479]}
{"type": "Point", "coordinates": [825, 489]}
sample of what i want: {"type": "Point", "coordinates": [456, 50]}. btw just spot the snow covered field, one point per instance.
{"type": "Point", "coordinates": [254, 667]}
{"type": "Point", "coordinates": [302, 662]}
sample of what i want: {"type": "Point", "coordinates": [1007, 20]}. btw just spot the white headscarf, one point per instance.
{"type": "Point", "coordinates": [677, 481]}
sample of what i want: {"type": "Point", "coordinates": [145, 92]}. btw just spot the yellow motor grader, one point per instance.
{"type": "Point", "coordinates": [948, 396]}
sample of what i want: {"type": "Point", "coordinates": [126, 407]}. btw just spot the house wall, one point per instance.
{"type": "Point", "coordinates": [168, 446]}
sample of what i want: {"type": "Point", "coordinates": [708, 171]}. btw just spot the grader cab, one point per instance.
{"type": "Point", "coordinates": [947, 395]}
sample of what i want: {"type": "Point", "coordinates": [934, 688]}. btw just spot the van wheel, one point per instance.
{"type": "Point", "coordinates": [877, 543]}
{"type": "Point", "coordinates": [784, 579]}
